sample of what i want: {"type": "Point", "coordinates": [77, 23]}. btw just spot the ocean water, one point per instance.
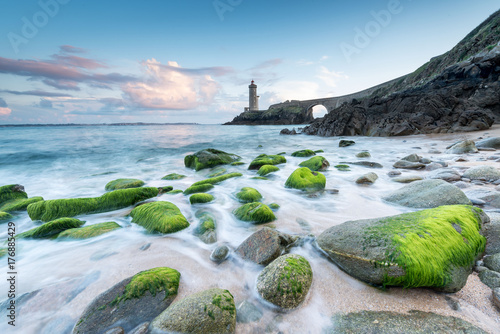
{"type": "Point", "coordinates": [57, 279]}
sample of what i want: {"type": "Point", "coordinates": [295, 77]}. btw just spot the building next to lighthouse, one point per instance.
{"type": "Point", "coordinates": [253, 98]}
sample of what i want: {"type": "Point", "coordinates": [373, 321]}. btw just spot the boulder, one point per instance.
{"type": "Point", "coordinates": [490, 278]}
{"type": "Point", "coordinates": [368, 178]}
{"type": "Point", "coordinates": [363, 154]}
{"type": "Point", "coordinates": [114, 200]}
{"type": "Point", "coordinates": [317, 163]}
{"type": "Point", "coordinates": [492, 234]}
{"type": "Point", "coordinates": [220, 254]}
{"type": "Point", "coordinates": [159, 217]}
{"type": "Point", "coordinates": [484, 195]}
{"type": "Point", "coordinates": [412, 158]}
{"type": "Point", "coordinates": [131, 302]}
{"type": "Point", "coordinates": [5, 216]}
{"type": "Point", "coordinates": [217, 172]}
{"type": "Point", "coordinates": [434, 248]}
{"type": "Point", "coordinates": [446, 174]}
{"type": "Point", "coordinates": [466, 146]}
{"type": "Point", "coordinates": [264, 246]}
{"type": "Point", "coordinates": [305, 179]}
{"type": "Point", "coordinates": [209, 158]}
{"type": "Point", "coordinates": [198, 189]}
{"type": "Point", "coordinates": [19, 204]}
{"type": "Point", "coordinates": [123, 184]}
{"type": "Point", "coordinates": [489, 143]}
{"type": "Point", "coordinates": [403, 164]}
{"type": "Point", "coordinates": [285, 282]}
{"type": "Point", "coordinates": [11, 192]}
{"type": "Point", "coordinates": [483, 173]}
{"type": "Point", "coordinates": [492, 262]}
{"type": "Point", "coordinates": [255, 212]}
{"type": "Point", "coordinates": [428, 194]}
{"type": "Point", "coordinates": [205, 230]}
{"type": "Point", "coordinates": [367, 164]}
{"type": "Point", "coordinates": [216, 180]}
{"type": "Point", "coordinates": [496, 297]}
{"type": "Point", "coordinates": [173, 176]}
{"type": "Point", "coordinates": [247, 312]}
{"type": "Point", "coordinates": [265, 159]}
{"type": "Point", "coordinates": [248, 195]}
{"type": "Point", "coordinates": [288, 132]}
{"type": "Point", "coordinates": [346, 143]}
{"type": "Point", "coordinates": [407, 178]}
{"type": "Point", "coordinates": [267, 169]}
{"type": "Point", "coordinates": [200, 198]}
{"type": "Point", "coordinates": [52, 228]}
{"type": "Point", "coordinates": [206, 312]}
{"type": "Point", "coordinates": [303, 153]}
{"type": "Point", "coordinates": [88, 231]}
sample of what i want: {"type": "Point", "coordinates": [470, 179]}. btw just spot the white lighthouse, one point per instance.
{"type": "Point", "coordinates": [253, 99]}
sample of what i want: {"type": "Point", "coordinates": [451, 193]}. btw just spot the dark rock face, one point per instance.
{"type": "Point", "coordinates": [463, 97]}
{"type": "Point", "coordinates": [273, 116]}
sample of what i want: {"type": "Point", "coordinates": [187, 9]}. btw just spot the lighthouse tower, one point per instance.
{"type": "Point", "coordinates": [253, 98]}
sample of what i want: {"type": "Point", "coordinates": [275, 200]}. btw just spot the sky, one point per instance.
{"type": "Point", "coordinates": [170, 61]}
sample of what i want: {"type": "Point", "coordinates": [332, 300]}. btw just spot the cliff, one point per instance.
{"type": "Point", "coordinates": [274, 116]}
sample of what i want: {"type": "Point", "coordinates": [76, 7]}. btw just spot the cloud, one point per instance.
{"type": "Point", "coordinates": [330, 78]}
{"type": "Point", "coordinates": [170, 87]}
{"type": "Point", "coordinates": [44, 103]}
{"type": "Point", "coordinates": [35, 93]}
{"type": "Point", "coordinates": [81, 62]}
{"type": "Point", "coordinates": [62, 84]}
{"type": "Point", "coordinates": [71, 49]}
{"type": "Point", "coordinates": [3, 104]}
{"type": "Point", "coordinates": [5, 111]}
{"type": "Point", "coordinates": [268, 63]}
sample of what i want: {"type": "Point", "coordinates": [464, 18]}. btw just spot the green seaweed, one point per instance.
{"type": "Point", "coordinates": [19, 204]}
{"type": "Point", "coordinates": [264, 159]}
{"type": "Point", "coordinates": [304, 179]}
{"type": "Point", "coordinates": [274, 206]}
{"type": "Point", "coordinates": [5, 216]}
{"type": "Point", "coordinates": [296, 266]}
{"type": "Point", "coordinates": [217, 179]}
{"type": "Point", "coordinates": [11, 191]}
{"type": "Point", "coordinates": [198, 189]}
{"type": "Point", "coordinates": [114, 200]}
{"type": "Point", "coordinates": [259, 178]}
{"type": "Point", "coordinates": [173, 192]}
{"type": "Point", "coordinates": [201, 198]}
{"type": "Point", "coordinates": [237, 163]}
{"type": "Point", "coordinates": [173, 176]}
{"type": "Point", "coordinates": [303, 153]}
{"type": "Point", "coordinates": [209, 158]}
{"type": "Point", "coordinates": [316, 163]}
{"type": "Point", "coordinates": [267, 169]}
{"type": "Point", "coordinates": [255, 212]}
{"type": "Point", "coordinates": [89, 231]}
{"type": "Point", "coordinates": [217, 172]}
{"type": "Point", "coordinates": [162, 217]}
{"type": "Point", "coordinates": [248, 195]}
{"type": "Point", "coordinates": [51, 228]}
{"type": "Point", "coordinates": [123, 184]}
{"type": "Point", "coordinates": [207, 223]}
{"type": "Point", "coordinates": [225, 302]}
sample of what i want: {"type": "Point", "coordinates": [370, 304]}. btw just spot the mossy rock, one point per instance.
{"type": "Point", "coordinates": [248, 195]}
{"type": "Point", "coordinates": [267, 169]}
{"type": "Point", "coordinates": [208, 312]}
{"type": "Point", "coordinates": [433, 248]}
{"type": "Point", "coordinates": [346, 143]}
{"type": "Point", "coordinates": [174, 192]}
{"type": "Point", "coordinates": [114, 200]}
{"type": "Point", "coordinates": [52, 228]}
{"type": "Point", "coordinates": [164, 189]}
{"type": "Point", "coordinates": [237, 163]}
{"type": "Point", "coordinates": [255, 212]}
{"type": "Point", "coordinates": [305, 179]}
{"type": "Point", "coordinates": [131, 302]}
{"type": "Point", "coordinates": [319, 151]}
{"type": "Point", "coordinates": [89, 231]}
{"type": "Point", "coordinates": [363, 154]}
{"type": "Point", "coordinates": [274, 206]}
{"type": "Point", "coordinates": [159, 217]}
{"type": "Point", "coordinates": [303, 153]}
{"type": "Point", "coordinates": [316, 163]}
{"type": "Point", "coordinates": [259, 178]}
{"type": "Point", "coordinates": [19, 204]}
{"type": "Point", "coordinates": [123, 184]}
{"type": "Point", "coordinates": [217, 172]}
{"type": "Point", "coordinates": [206, 228]}
{"type": "Point", "coordinates": [217, 179]}
{"type": "Point", "coordinates": [209, 158]}
{"type": "Point", "coordinates": [11, 192]}
{"type": "Point", "coordinates": [200, 198]}
{"type": "Point", "coordinates": [5, 216]}
{"type": "Point", "coordinates": [198, 189]}
{"type": "Point", "coordinates": [173, 176]}
{"type": "Point", "coordinates": [264, 159]}
{"type": "Point", "coordinates": [285, 282]}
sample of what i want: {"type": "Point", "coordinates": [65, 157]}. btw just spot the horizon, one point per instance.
{"type": "Point", "coordinates": [66, 61]}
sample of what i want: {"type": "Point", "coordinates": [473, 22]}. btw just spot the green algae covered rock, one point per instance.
{"type": "Point", "coordinates": [19, 204]}
{"type": "Point", "coordinates": [265, 159]}
{"type": "Point", "coordinates": [114, 200]}
{"type": "Point", "coordinates": [217, 179]}
{"type": "Point", "coordinates": [198, 189]}
{"type": "Point", "coordinates": [89, 231]}
{"type": "Point", "coordinates": [131, 302]}
{"type": "Point", "coordinates": [217, 172]}
{"type": "Point", "coordinates": [267, 169]}
{"type": "Point", "coordinates": [201, 198]}
{"type": "Point", "coordinates": [255, 212]}
{"type": "Point", "coordinates": [305, 179]}
{"type": "Point", "coordinates": [159, 217]}
{"type": "Point", "coordinates": [237, 163]}
{"type": "Point", "coordinates": [205, 230]}
{"type": "Point", "coordinates": [174, 192]}
{"type": "Point", "coordinates": [5, 216]}
{"type": "Point", "coordinates": [248, 195]}
{"type": "Point", "coordinates": [433, 248]}
{"type": "Point", "coordinates": [123, 184]}
{"type": "Point", "coordinates": [52, 228]}
{"type": "Point", "coordinates": [208, 312]}
{"type": "Point", "coordinates": [173, 176]}
{"type": "Point", "coordinates": [303, 153]}
{"type": "Point", "coordinates": [209, 158]}
{"type": "Point", "coordinates": [274, 206]}
{"type": "Point", "coordinates": [363, 154]}
{"type": "Point", "coordinates": [12, 191]}
{"type": "Point", "coordinates": [285, 282]}
{"type": "Point", "coordinates": [316, 163]}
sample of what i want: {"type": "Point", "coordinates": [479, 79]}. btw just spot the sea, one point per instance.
{"type": "Point", "coordinates": [56, 280]}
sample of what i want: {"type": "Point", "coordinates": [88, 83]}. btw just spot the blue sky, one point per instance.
{"type": "Point", "coordinates": [76, 61]}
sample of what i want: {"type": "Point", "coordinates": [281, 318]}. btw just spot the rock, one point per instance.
{"type": "Point", "coordinates": [461, 159]}
{"type": "Point", "coordinates": [141, 329]}
{"type": "Point", "coordinates": [342, 168]}
{"type": "Point", "coordinates": [417, 249]}
{"type": "Point", "coordinates": [274, 206]}
{"type": "Point", "coordinates": [486, 173]}
{"type": "Point", "coordinates": [264, 246]}
{"type": "Point", "coordinates": [206, 228]}
{"type": "Point", "coordinates": [407, 178]}
{"type": "Point", "coordinates": [496, 297]}
{"type": "Point", "coordinates": [493, 262]}
{"type": "Point", "coordinates": [199, 198]}
{"type": "Point", "coordinates": [425, 161]}
{"type": "Point", "coordinates": [247, 312]}
{"type": "Point", "coordinates": [303, 153]}
{"type": "Point", "coordinates": [159, 217]}
{"type": "Point", "coordinates": [237, 163]}
{"type": "Point", "coordinates": [52, 228]}
{"type": "Point", "coordinates": [446, 174]}
{"type": "Point", "coordinates": [248, 195]}
{"type": "Point", "coordinates": [267, 169]}
{"type": "Point", "coordinates": [433, 166]}
{"type": "Point", "coordinates": [89, 231]}
{"type": "Point", "coordinates": [364, 154]}
{"type": "Point", "coordinates": [485, 195]}
{"type": "Point", "coordinates": [114, 200]}
{"type": "Point", "coordinates": [489, 143]}
{"type": "Point", "coordinates": [490, 278]}
{"type": "Point", "coordinates": [255, 212]}
{"type": "Point", "coordinates": [19, 204]}
{"type": "Point", "coordinates": [4, 216]}
{"type": "Point", "coordinates": [412, 158]}
{"type": "Point", "coordinates": [131, 302]}
{"type": "Point", "coordinates": [427, 194]}
{"type": "Point", "coordinates": [492, 234]}
{"type": "Point", "coordinates": [173, 176]}
{"type": "Point", "coordinates": [466, 146]}
{"type": "Point", "coordinates": [11, 192]}
{"type": "Point", "coordinates": [408, 165]}
{"type": "Point", "coordinates": [283, 114]}
{"type": "Point", "coordinates": [198, 189]}
{"type": "Point", "coordinates": [368, 164]}
{"type": "Point", "coordinates": [317, 163]}
{"type": "Point", "coordinates": [220, 254]}
{"type": "Point", "coordinates": [305, 179]}
{"type": "Point", "coordinates": [116, 330]}
{"type": "Point", "coordinates": [368, 178]}
{"type": "Point", "coordinates": [209, 158]}
{"type": "Point", "coordinates": [346, 143]}
{"type": "Point", "coordinates": [216, 180]}
{"type": "Point", "coordinates": [461, 184]}
{"type": "Point", "coordinates": [393, 173]}
{"type": "Point", "coordinates": [264, 159]}
{"type": "Point", "coordinates": [123, 184]}
{"type": "Point", "coordinates": [175, 192]}
{"type": "Point", "coordinates": [434, 151]}
{"type": "Point", "coordinates": [164, 190]}
{"type": "Point", "coordinates": [217, 172]}
{"type": "Point", "coordinates": [415, 322]}
{"type": "Point", "coordinates": [209, 311]}
{"type": "Point", "coordinates": [288, 132]}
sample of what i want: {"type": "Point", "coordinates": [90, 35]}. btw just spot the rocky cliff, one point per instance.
{"type": "Point", "coordinates": [273, 116]}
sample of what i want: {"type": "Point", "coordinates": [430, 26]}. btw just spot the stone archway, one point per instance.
{"type": "Point", "coordinates": [317, 110]}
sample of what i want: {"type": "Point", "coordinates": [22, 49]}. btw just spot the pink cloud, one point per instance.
{"type": "Point", "coordinates": [5, 111]}
{"type": "Point", "coordinates": [71, 49]}
{"type": "Point", "coordinates": [76, 61]}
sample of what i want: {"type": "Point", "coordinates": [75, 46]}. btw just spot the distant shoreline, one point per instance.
{"type": "Point", "coordinates": [95, 124]}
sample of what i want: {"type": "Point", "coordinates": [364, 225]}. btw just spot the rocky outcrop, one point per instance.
{"type": "Point", "coordinates": [274, 116]}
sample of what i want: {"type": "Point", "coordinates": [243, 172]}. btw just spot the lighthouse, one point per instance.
{"type": "Point", "coordinates": [253, 99]}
